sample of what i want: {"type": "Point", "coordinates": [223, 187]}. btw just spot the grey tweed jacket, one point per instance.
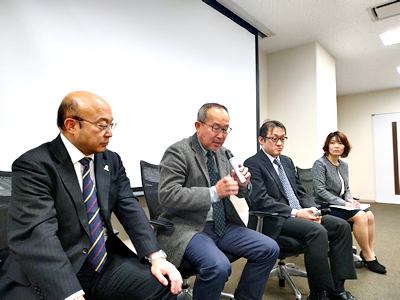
{"type": "Point", "coordinates": [327, 184]}
{"type": "Point", "coordinates": [185, 197]}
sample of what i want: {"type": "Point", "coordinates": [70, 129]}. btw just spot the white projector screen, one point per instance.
{"type": "Point", "coordinates": [155, 61]}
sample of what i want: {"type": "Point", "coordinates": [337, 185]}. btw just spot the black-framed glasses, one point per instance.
{"type": "Point", "coordinates": [104, 127]}
{"type": "Point", "coordinates": [275, 139]}
{"type": "Point", "coordinates": [217, 129]}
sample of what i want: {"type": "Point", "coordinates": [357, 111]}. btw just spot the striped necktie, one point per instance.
{"type": "Point", "coordinates": [97, 255]}
{"type": "Point", "coordinates": [218, 207]}
{"type": "Point", "coordinates": [293, 201]}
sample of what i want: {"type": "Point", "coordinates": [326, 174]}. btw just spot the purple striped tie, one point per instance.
{"type": "Point", "coordinates": [97, 255]}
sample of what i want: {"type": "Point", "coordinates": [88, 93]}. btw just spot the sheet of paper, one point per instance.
{"type": "Point", "coordinates": [363, 206]}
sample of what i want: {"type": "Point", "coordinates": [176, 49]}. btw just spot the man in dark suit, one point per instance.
{"type": "Point", "coordinates": [196, 182]}
{"type": "Point", "coordinates": [48, 230]}
{"type": "Point", "coordinates": [277, 189]}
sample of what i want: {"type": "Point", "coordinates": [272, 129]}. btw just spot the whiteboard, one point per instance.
{"type": "Point", "coordinates": [154, 61]}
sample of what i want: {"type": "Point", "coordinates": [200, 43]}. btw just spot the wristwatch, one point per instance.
{"type": "Point", "coordinates": [159, 254]}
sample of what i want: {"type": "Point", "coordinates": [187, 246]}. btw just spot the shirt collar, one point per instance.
{"type": "Point", "coordinates": [74, 153]}
{"type": "Point", "coordinates": [270, 157]}
{"type": "Point", "coordinates": [204, 150]}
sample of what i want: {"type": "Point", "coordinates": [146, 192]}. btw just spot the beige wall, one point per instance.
{"type": "Point", "coordinates": [355, 120]}
{"type": "Point", "coordinates": [263, 67]}
{"type": "Point", "coordinates": [301, 92]}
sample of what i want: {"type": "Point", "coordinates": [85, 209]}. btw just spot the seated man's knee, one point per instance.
{"type": "Point", "coordinates": [218, 269]}
{"type": "Point", "coordinates": [318, 233]}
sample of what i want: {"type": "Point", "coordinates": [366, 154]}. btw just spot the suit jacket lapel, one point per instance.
{"type": "Point", "coordinates": [200, 157]}
{"type": "Point", "coordinates": [271, 169]}
{"type": "Point", "coordinates": [68, 176]}
{"type": "Point", "coordinates": [102, 171]}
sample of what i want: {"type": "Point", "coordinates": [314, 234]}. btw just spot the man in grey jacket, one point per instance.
{"type": "Point", "coordinates": [196, 181]}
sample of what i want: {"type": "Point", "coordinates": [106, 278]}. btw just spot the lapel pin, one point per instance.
{"type": "Point", "coordinates": [106, 168]}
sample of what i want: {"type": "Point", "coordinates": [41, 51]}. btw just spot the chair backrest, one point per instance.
{"type": "Point", "coordinates": [5, 183]}
{"type": "Point", "coordinates": [306, 180]}
{"type": "Point", "coordinates": [5, 197]}
{"type": "Point", "coordinates": [150, 179]}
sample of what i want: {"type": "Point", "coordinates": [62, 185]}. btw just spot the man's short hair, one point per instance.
{"type": "Point", "coordinates": [269, 125]}
{"type": "Point", "coordinates": [68, 109]}
{"type": "Point", "coordinates": [202, 114]}
{"type": "Point", "coordinates": [341, 137]}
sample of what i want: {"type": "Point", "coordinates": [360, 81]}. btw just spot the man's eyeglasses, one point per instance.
{"type": "Point", "coordinates": [104, 127]}
{"type": "Point", "coordinates": [217, 129]}
{"type": "Point", "coordinates": [275, 139]}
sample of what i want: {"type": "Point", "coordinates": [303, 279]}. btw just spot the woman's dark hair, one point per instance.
{"type": "Point", "coordinates": [340, 137]}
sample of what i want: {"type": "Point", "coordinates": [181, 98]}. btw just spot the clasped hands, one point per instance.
{"type": "Point", "coordinates": [353, 203]}
{"type": "Point", "coordinates": [229, 185]}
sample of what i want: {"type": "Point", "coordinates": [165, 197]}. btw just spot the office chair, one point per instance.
{"type": "Point", "coordinates": [150, 179]}
{"type": "Point", "coordinates": [307, 182]}
{"type": "Point", "coordinates": [288, 247]}
{"type": "Point", "coordinates": [5, 197]}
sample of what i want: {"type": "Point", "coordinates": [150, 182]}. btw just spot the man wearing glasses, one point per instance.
{"type": "Point", "coordinates": [277, 189]}
{"type": "Point", "coordinates": [59, 226]}
{"type": "Point", "coordinates": [196, 181]}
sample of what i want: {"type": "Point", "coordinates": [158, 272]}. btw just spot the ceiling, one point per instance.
{"type": "Point", "coordinates": [344, 28]}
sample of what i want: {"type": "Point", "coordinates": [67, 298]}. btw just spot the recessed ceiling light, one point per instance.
{"type": "Point", "coordinates": [390, 37]}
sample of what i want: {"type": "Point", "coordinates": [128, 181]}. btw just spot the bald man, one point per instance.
{"type": "Point", "coordinates": [54, 249]}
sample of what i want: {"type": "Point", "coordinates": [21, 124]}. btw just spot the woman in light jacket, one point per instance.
{"type": "Point", "coordinates": [331, 187]}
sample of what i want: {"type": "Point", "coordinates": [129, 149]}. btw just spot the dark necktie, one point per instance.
{"type": "Point", "coordinates": [293, 201]}
{"type": "Point", "coordinates": [97, 255]}
{"type": "Point", "coordinates": [218, 207]}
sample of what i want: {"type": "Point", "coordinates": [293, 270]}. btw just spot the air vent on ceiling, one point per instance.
{"type": "Point", "coordinates": [386, 10]}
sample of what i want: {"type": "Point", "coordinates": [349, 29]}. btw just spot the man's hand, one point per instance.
{"type": "Point", "coordinates": [245, 171]}
{"type": "Point", "coordinates": [80, 298]}
{"type": "Point", "coordinates": [161, 267]}
{"type": "Point", "coordinates": [306, 213]}
{"type": "Point", "coordinates": [227, 186]}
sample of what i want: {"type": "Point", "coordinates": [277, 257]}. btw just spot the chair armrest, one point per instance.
{"type": "Point", "coordinates": [160, 223]}
{"type": "Point", "coordinates": [260, 217]}
{"type": "Point", "coordinates": [262, 213]}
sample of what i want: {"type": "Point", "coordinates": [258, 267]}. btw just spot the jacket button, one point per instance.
{"type": "Point", "coordinates": [85, 251]}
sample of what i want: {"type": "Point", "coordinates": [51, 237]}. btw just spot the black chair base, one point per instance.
{"type": "Point", "coordinates": [284, 271]}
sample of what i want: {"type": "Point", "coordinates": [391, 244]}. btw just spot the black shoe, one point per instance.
{"type": "Point", "coordinates": [373, 265]}
{"type": "Point", "coordinates": [364, 260]}
{"type": "Point", "coordinates": [342, 296]}
{"type": "Point", "coordinates": [320, 295]}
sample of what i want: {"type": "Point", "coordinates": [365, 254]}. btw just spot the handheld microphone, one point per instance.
{"type": "Point", "coordinates": [322, 212]}
{"type": "Point", "coordinates": [235, 166]}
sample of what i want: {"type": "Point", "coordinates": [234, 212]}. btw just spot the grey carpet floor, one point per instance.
{"type": "Point", "coordinates": [369, 285]}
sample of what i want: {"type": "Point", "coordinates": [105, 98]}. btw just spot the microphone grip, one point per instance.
{"type": "Point", "coordinates": [235, 166]}
{"type": "Point", "coordinates": [321, 212]}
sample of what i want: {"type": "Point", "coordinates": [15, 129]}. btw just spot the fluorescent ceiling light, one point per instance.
{"type": "Point", "coordinates": [398, 69]}
{"type": "Point", "coordinates": [390, 37]}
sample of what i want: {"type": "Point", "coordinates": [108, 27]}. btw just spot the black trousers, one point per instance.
{"type": "Point", "coordinates": [123, 277]}
{"type": "Point", "coordinates": [333, 235]}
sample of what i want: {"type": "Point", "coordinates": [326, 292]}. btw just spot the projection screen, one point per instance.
{"type": "Point", "coordinates": [155, 61]}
